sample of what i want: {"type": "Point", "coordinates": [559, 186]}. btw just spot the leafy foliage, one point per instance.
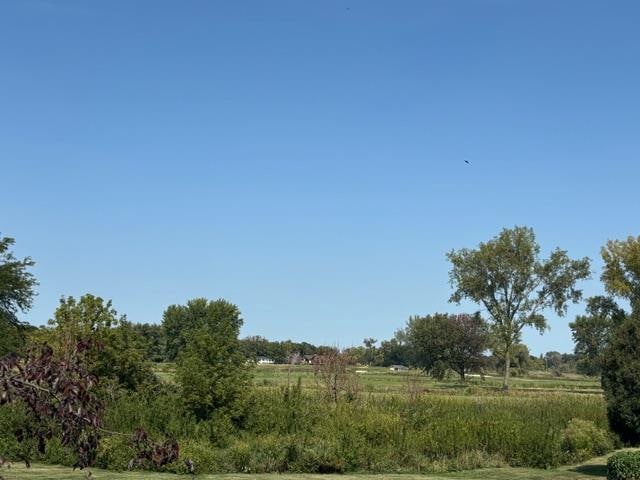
{"type": "Point", "coordinates": [623, 466]}
{"type": "Point", "coordinates": [17, 284]}
{"type": "Point", "coordinates": [211, 369]}
{"type": "Point", "coordinates": [179, 321]}
{"type": "Point", "coordinates": [507, 277]}
{"type": "Point", "coordinates": [396, 351]}
{"type": "Point", "coordinates": [150, 453]}
{"type": "Point", "coordinates": [17, 289]}
{"type": "Point", "coordinates": [154, 341]}
{"type": "Point", "coordinates": [621, 379]}
{"type": "Point", "coordinates": [440, 342]}
{"type": "Point", "coordinates": [591, 332]}
{"type": "Point", "coordinates": [59, 396]}
{"type": "Point", "coordinates": [583, 439]}
{"type": "Point", "coordinates": [621, 272]}
{"type": "Point", "coordinates": [117, 351]}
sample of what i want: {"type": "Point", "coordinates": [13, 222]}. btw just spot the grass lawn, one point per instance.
{"type": "Point", "coordinates": [593, 469]}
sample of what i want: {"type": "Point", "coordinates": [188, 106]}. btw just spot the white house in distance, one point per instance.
{"type": "Point", "coordinates": [265, 361]}
{"type": "Point", "coordinates": [398, 368]}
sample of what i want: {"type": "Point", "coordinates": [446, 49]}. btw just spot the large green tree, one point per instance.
{"type": "Point", "coordinates": [211, 367]}
{"type": "Point", "coordinates": [591, 332]}
{"type": "Point", "coordinates": [17, 289]}
{"type": "Point", "coordinates": [442, 342]}
{"type": "Point", "coordinates": [509, 279]}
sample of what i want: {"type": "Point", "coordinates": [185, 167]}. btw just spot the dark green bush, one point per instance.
{"type": "Point", "coordinates": [621, 380]}
{"type": "Point", "coordinates": [624, 466]}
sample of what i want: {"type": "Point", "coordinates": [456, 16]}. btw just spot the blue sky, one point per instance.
{"type": "Point", "coordinates": [305, 160]}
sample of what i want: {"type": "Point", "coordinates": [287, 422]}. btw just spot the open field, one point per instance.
{"type": "Point", "coordinates": [591, 470]}
{"type": "Point", "coordinates": [380, 380]}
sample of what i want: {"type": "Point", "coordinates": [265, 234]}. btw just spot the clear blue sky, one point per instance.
{"type": "Point", "coordinates": [305, 159]}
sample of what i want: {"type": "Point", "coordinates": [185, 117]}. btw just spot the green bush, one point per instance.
{"type": "Point", "coordinates": [114, 453]}
{"type": "Point", "coordinates": [582, 439]}
{"type": "Point", "coordinates": [56, 454]}
{"type": "Point", "coordinates": [624, 466]}
{"type": "Point", "coordinates": [318, 458]}
{"type": "Point", "coordinates": [205, 458]}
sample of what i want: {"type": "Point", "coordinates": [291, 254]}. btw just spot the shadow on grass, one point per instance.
{"type": "Point", "coordinates": [595, 470]}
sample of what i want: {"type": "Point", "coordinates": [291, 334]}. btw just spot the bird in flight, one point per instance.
{"type": "Point", "coordinates": [467, 162]}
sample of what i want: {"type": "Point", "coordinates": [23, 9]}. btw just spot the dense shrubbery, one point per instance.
{"type": "Point", "coordinates": [582, 439]}
{"type": "Point", "coordinates": [621, 380]}
{"type": "Point", "coordinates": [296, 431]}
{"type": "Point", "coordinates": [624, 466]}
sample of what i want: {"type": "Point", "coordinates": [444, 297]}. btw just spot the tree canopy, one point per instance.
{"type": "Point", "coordinates": [17, 283]}
{"type": "Point", "coordinates": [591, 332]}
{"type": "Point", "coordinates": [118, 351]}
{"type": "Point", "coordinates": [509, 279]}
{"type": "Point", "coordinates": [211, 368]}
{"type": "Point", "coordinates": [621, 272]}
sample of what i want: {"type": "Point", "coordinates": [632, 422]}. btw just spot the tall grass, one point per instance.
{"type": "Point", "coordinates": [291, 429]}
{"type": "Point", "coordinates": [295, 430]}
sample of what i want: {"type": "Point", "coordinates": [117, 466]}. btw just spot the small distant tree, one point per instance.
{"type": "Point", "coordinates": [396, 351]}
{"type": "Point", "coordinates": [521, 359]}
{"type": "Point", "coordinates": [509, 279]}
{"type": "Point", "coordinates": [333, 376]}
{"type": "Point", "coordinates": [591, 333]}
{"type": "Point", "coordinates": [370, 350]}
{"type": "Point", "coordinates": [553, 360]}
{"type": "Point", "coordinates": [441, 342]}
{"type": "Point", "coordinates": [211, 368]}
{"type": "Point", "coordinates": [17, 289]}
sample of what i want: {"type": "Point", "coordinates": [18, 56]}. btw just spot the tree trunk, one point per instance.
{"type": "Point", "coordinates": [507, 367]}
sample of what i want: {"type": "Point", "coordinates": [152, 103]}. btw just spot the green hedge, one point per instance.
{"type": "Point", "coordinates": [624, 466]}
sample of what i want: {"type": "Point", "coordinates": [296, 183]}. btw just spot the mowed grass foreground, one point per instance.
{"type": "Point", "coordinates": [592, 470]}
